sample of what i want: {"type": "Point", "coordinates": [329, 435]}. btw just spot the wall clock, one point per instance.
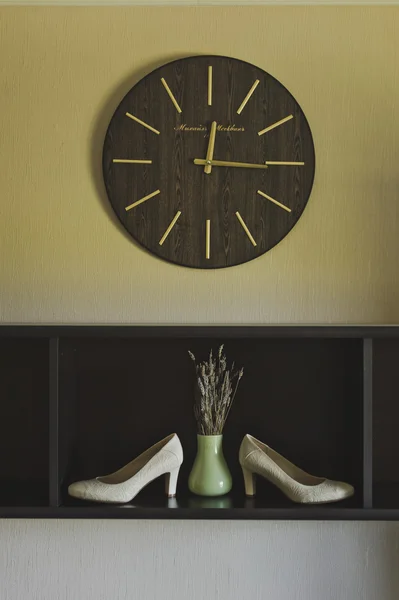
{"type": "Point", "coordinates": [208, 162]}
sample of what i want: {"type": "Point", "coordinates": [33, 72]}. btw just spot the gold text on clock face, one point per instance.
{"type": "Point", "coordinates": [233, 128]}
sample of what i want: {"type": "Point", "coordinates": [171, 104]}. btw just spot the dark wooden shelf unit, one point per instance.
{"type": "Point", "coordinates": [80, 401]}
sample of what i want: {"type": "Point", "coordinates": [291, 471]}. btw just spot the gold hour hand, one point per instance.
{"type": "Point", "coordinates": [228, 163]}
{"type": "Point", "coordinates": [211, 147]}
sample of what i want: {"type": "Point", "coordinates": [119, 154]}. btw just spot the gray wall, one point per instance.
{"type": "Point", "coordinates": [103, 560]}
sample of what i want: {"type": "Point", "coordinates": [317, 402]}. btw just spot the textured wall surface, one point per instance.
{"type": "Point", "coordinates": [103, 560]}
{"type": "Point", "coordinates": [64, 258]}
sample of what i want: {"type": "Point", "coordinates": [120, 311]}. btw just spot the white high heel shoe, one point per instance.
{"type": "Point", "coordinates": [257, 458]}
{"type": "Point", "coordinates": [164, 458]}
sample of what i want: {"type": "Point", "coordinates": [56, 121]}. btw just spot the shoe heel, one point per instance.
{"type": "Point", "coordinates": [171, 483]}
{"type": "Point", "coordinates": [249, 482]}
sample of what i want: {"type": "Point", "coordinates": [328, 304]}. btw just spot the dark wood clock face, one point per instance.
{"type": "Point", "coordinates": [208, 162]}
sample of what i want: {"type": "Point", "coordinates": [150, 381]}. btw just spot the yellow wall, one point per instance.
{"type": "Point", "coordinates": [64, 257]}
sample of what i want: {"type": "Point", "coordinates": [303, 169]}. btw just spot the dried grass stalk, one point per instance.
{"type": "Point", "coordinates": [216, 389]}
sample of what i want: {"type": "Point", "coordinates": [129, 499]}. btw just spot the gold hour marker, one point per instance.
{"type": "Point", "coordinates": [143, 123]}
{"type": "Point", "coordinates": [143, 200]}
{"type": "Point", "coordinates": [282, 162]}
{"type": "Point", "coordinates": [245, 228]}
{"type": "Point", "coordinates": [132, 162]}
{"type": "Point", "coordinates": [171, 96]}
{"type": "Point", "coordinates": [273, 125]}
{"type": "Point", "coordinates": [169, 229]}
{"type": "Point", "coordinates": [274, 201]}
{"type": "Point", "coordinates": [209, 85]}
{"type": "Point", "coordinates": [208, 239]}
{"type": "Point", "coordinates": [247, 97]}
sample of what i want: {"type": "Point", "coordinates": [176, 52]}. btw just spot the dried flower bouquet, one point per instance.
{"type": "Point", "coordinates": [217, 387]}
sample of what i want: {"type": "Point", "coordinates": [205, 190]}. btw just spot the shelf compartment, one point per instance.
{"type": "Point", "coordinates": [304, 397]}
{"type": "Point", "coordinates": [386, 495]}
{"type": "Point", "coordinates": [24, 438]}
{"type": "Point", "coordinates": [386, 423]}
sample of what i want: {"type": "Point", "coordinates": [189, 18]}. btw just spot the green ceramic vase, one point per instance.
{"type": "Point", "coordinates": [210, 475]}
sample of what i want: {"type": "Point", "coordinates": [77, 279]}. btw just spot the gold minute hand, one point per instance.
{"type": "Point", "coordinates": [228, 163]}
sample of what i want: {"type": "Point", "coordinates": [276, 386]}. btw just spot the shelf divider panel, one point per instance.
{"type": "Point", "coordinates": [54, 491]}
{"type": "Point", "coordinates": [367, 423]}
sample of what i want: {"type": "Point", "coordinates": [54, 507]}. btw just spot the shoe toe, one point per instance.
{"type": "Point", "coordinates": [334, 491]}
{"type": "Point", "coordinates": [344, 490]}
{"type": "Point", "coordinates": [78, 490]}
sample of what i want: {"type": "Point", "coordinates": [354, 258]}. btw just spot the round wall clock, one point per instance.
{"type": "Point", "coordinates": [208, 162]}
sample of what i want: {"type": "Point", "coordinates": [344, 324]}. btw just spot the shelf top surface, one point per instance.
{"type": "Point", "coordinates": [228, 330]}
{"type": "Point", "coordinates": [233, 506]}
{"type": "Point", "coordinates": [272, 514]}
